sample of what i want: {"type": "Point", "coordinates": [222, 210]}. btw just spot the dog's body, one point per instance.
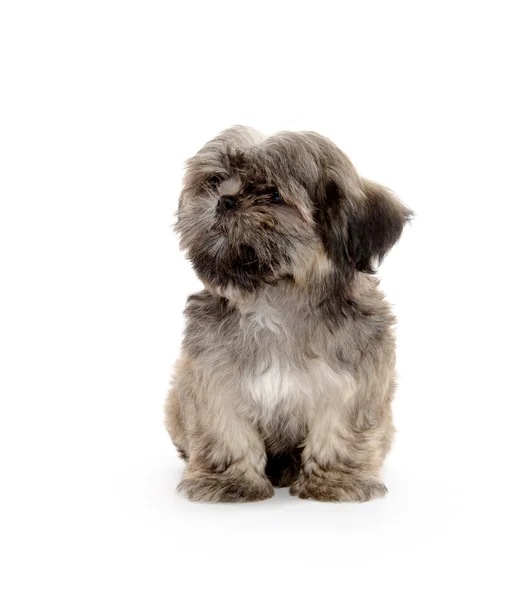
{"type": "Point", "coordinates": [287, 370]}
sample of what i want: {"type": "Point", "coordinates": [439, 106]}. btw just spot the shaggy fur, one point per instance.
{"type": "Point", "coordinates": [287, 368]}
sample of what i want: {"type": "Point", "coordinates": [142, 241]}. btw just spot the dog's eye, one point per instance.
{"type": "Point", "coordinates": [268, 196]}
{"type": "Point", "coordinates": [214, 180]}
{"type": "Point", "coordinates": [275, 197]}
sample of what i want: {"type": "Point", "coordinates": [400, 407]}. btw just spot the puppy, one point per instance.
{"type": "Point", "coordinates": [287, 368]}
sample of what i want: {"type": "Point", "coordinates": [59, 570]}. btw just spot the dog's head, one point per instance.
{"type": "Point", "coordinates": [255, 211]}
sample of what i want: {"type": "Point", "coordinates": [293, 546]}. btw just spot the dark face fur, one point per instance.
{"type": "Point", "coordinates": [256, 211]}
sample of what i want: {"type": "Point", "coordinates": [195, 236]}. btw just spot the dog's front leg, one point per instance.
{"type": "Point", "coordinates": [340, 461]}
{"type": "Point", "coordinates": [227, 457]}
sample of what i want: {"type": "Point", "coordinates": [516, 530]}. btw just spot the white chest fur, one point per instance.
{"type": "Point", "coordinates": [281, 380]}
{"type": "Point", "coordinates": [283, 384]}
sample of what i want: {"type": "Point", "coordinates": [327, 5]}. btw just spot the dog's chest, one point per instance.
{"type": "Point", "coordinates": [281, 383]}
{"type": "Point", "coordinates": [289, 366]}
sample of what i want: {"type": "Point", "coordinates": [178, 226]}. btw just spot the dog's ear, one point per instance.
{"type": "Point", "coordinates": [359, 224]}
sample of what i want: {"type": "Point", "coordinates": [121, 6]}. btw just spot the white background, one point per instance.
{"type": "Point", "coordinates": [101, 103]}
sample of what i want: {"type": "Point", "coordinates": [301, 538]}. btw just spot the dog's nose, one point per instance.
{"type": "Point", "coordinates": [226, 203]}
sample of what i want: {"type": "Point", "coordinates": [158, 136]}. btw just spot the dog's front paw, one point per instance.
{"type": "Point", "coordinates": [220, 488]}
{"type": "Point", "coordinates": [338, 487]}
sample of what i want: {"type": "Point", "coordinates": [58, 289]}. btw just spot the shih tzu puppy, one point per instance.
{"type": "Point", "coordinates": [286, 374]}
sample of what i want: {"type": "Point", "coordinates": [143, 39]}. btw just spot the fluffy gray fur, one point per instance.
{"type": "Point", "coordinates": [286, 373]}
